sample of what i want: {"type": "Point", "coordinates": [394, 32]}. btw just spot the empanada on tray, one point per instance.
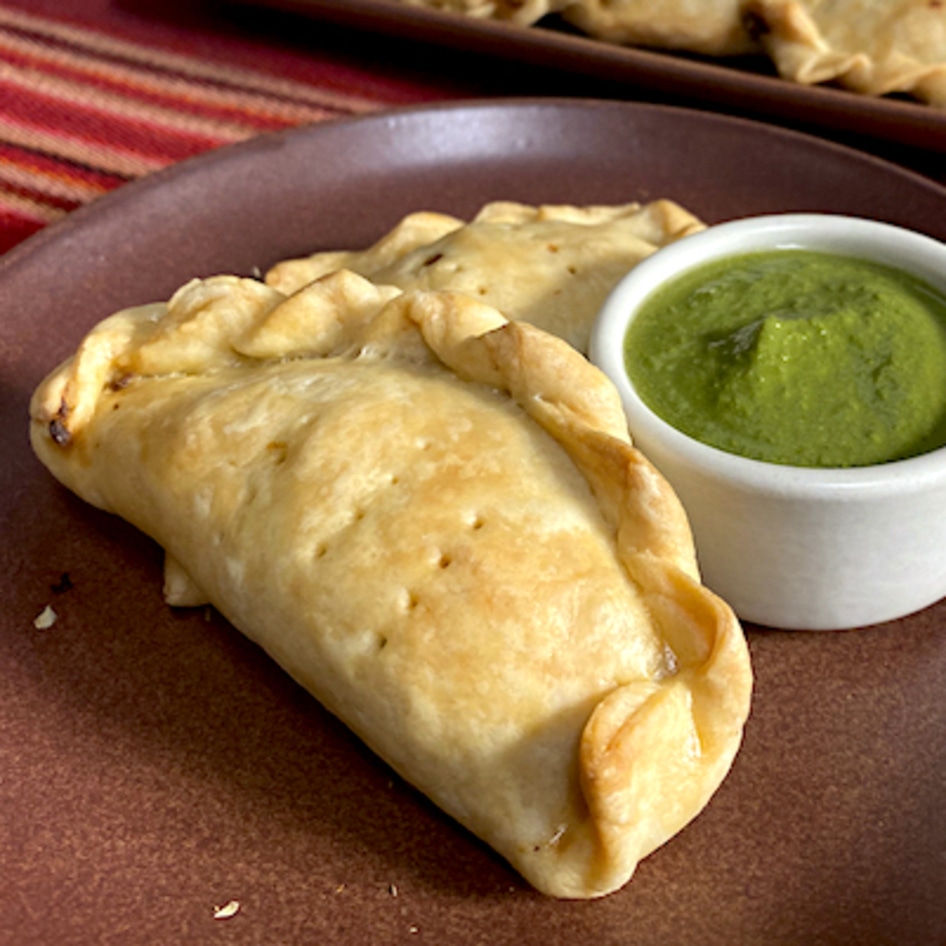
{"type": "Point", "coordinates": [434, 520]}
{"type": "Point", "coordinates": [552, 266]}
{"type": "Point", "coordinates": [711, 27]}
{"type": "Point", "coordinates": [708, 27]}
{"type": "Point", "coordinates": [875, 47]}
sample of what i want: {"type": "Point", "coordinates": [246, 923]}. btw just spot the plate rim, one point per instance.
{"type": "Point", "coordinates": [135, 190]}
{"type": "Point", "coordinates": [764, 640]}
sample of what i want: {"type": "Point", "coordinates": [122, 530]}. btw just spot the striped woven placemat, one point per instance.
{"type": "Point", "coordinates": [87, 103]}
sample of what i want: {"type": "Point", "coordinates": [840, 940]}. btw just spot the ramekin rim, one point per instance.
{"type": "Point", "coordinates": [618, 309]}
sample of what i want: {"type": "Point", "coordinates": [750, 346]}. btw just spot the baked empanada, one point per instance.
{"type": "Point", "coordinates": [434, 520]}
{"type": "Point", "coordinates": [875, 47]}
{"type": "Point", "coordinates": [871, 46]}
{"type": "Point", "coordinates": [523, 12]}
{"type": "Point", "coordinates": [551, 266]}
{"type": "Point", "coordinates": [709, 27]}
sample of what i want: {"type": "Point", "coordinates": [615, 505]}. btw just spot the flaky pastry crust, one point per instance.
{"type": "Point", "coordinates": [550, 265]}
{"type": "Point", "coordinates": [434, 520]}
{"type": "Point", "coordinates": [709, 27]}
{"type": "Point", "coordinates": [875, 47]}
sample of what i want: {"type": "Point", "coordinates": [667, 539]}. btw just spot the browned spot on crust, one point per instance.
{"type": "Point", "coordinates": [116, 384]}
{"type": "Point", "coordinates": [58, 430]}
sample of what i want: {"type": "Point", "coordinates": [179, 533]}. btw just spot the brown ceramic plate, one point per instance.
{"type": "Point", "coordinates": [747, 85]}
{"type": "Point", "coordinates": [155, 765]}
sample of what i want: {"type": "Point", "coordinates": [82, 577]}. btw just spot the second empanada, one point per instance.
{"type": "Point", "coordinates": [875, 47]}
{"type": "Point", "coordinates": [552, 266]}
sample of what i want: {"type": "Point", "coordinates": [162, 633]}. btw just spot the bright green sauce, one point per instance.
{"type": "Point", "coordinates": [796, 357]}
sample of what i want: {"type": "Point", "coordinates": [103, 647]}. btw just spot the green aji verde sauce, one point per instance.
{"type": "Point", "coordinates": [796, 357]}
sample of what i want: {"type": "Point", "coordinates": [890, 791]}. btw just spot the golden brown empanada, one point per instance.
{"type": "Point", "coordinates": [709, 27]}
{"type": "Point", "coordinates": [551, 266]}
{"type": "Point", "coordinates": [434, 520]}
{"type": "Point", "coordinates": [875, 47]}
{"type": "Point", "coordinates": [871, 46]}
{"type": "Point", "coordinates": [523, 12]}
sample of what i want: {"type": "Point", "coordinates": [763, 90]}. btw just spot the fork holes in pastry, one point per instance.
{"type": "Point", "coordinates": [320, 550]}
{"type": "Point", "coordinates": [277, 451]}
{"type": "Point", "coordinates": [445, 560]}
{"type": "Point", "coordinates": [552, 247]}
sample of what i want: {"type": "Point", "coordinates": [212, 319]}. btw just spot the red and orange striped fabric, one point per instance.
{"type": "Point", "coordinates": [92, 96]}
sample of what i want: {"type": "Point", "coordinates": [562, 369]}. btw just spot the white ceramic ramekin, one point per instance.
{"type": "Point", "coordinates": [793, 547]}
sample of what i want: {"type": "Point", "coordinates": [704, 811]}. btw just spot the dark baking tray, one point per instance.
{"type": "Point", "coordinates": [745, 85]}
